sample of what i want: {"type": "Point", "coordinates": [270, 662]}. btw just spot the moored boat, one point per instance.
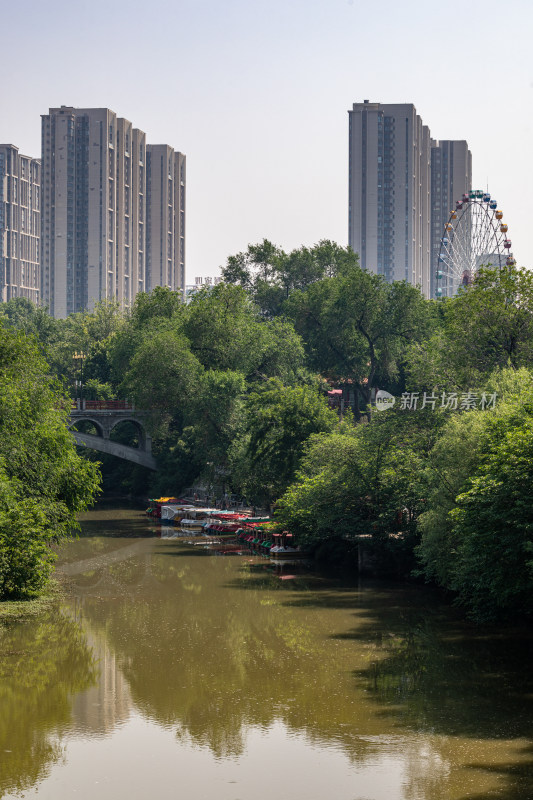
{"type": "Point", "coordinates": [284, 548]}
{"type": "Point", "coordinates": [172, 512]}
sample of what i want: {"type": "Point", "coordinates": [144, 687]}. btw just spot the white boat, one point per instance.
{"type": "Point", "coordinates": [281, 552]}
{"type": "Point", "coordinates": [170, 512]}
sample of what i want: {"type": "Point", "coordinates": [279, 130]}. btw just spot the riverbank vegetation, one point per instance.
{"type": "Point", "coordinates": [31, 606]}
{"type": "Point", "coordinates": [236, 387]}
{"type": "Point", "coordinates": [44, 483]}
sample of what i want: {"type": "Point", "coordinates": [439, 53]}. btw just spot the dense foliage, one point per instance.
{"type": "Point", "coordinates": [235, 387]}
{"type": "Point", "coordinates": [363, 481]}
{"type": "Point", "coordinates": [44, 484]}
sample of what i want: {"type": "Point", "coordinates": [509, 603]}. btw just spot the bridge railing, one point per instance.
{"type": "Point", "coordinates": [102, 405]}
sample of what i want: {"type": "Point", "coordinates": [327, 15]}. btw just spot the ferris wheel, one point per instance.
{"type": "Point", "coordinates": [475, 236]}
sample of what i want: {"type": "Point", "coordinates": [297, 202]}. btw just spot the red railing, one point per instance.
{"type": "Point", "coordinates": [102, 405]}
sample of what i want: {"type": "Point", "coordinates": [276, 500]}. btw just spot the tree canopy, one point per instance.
{"type": "Point", "coordinates": [235, 382]}
{"type": "Point", "coordinates": [44, 484]}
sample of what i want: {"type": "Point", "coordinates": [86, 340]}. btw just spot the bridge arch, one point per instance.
{"type": "Point", "coordinates": [141, 430]}
{"type": "Point", "coordinates": [105, 418]}
{"type": "Point", "coordinates": [86, 418]}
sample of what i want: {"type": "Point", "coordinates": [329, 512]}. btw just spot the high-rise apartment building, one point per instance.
{"type": "Point", "coordinates": [165, 242]}
{"type": "Point", "coordinates": [451, 177]}
{"type": "Point", "coordinates": [20, 224]}
{"type": "Point", "coordinates": [389, 191]}
{"type": "Point", "coordinates": [96, 212]}
{"type": "Point", "coordinates": [402, 186]}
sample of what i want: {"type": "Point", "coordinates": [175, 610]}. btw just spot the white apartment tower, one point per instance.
{"type": "Point", "coordinates": [96, 214]}
{"type": "Point", "coordinates": [20, 224]}
{"type": "Point", "coordinates": [389, 191]}
{"type": "Point", "coordinates": [94, 185]}
{"type": "Point", "coordinates": [402, 187]}
{"type": "Point", "coordinates": [165, 242]}
{"type": "Point", "coordinates": [451, 177]}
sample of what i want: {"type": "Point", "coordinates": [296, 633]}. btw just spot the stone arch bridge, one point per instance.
{"type": "Point", "coordinates": [105, 416]}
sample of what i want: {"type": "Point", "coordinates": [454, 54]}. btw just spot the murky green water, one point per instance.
{"type": "Point", "coordinates": [171, 673]}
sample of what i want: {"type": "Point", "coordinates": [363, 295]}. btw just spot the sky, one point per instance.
{"type": "Point", "coordinates": [256, 95]}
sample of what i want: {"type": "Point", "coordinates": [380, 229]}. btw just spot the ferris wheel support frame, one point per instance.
{"type": "Point", "coordinates": [474, 231]}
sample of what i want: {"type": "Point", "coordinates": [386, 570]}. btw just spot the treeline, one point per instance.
{"type": "Point", "coordinates": [235, 383]}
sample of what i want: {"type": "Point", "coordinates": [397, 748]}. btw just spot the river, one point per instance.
{"type": "Point", "coordinates": [170, 672]}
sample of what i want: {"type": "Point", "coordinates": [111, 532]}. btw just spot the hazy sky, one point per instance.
{"type": "Point", "coordinates": [256, 95]}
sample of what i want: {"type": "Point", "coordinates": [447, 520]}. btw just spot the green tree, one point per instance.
{"type": "Point", "coordinates": [89, 334]}
{"type": "Point", "coordinates": [97, 390]}
{"type": "Point", "coordinates": [356, 327]}
{"type": "Point", "coordinates": [21, 314]}
{"type": "Point", "coordinates": [451, 461]}
{"type": "Point", "coordinates": [476, 533]}
{"type": "Point", "coordinates": [269, 274]}
{"type": "Point", "coordinates": [279, 420]}
{"type": "Point", "coordinates": [151, 313]}
{"type": "Point", "coordinates": [44, 484]}
{"type": "Point", "coordinates": [162, 378]}
{"type": "Point", "coordinates": [488, 325]}
{"type": "Point", "coordinates": [226, 331]}
{"type": "Point", "coordinates": [493, 524]}
{"type": "Point", "coordinates": [364, 480]}
{"type": "Point", "coordinates": [192, 366]}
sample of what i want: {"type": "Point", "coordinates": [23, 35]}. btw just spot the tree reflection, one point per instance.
{"type": "Point", "coordinates": [435, 673]}
{"type": "Point", "coordinates": [448, 677]}
{"type": "Point", "coordinates": [211, 646]}
{"type": "Point", "coordinates": [43, 663]}
{"type": "Point", "coordinates": [212, 660]}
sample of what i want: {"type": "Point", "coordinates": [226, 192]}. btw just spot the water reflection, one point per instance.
{"type": "Point", "coordinates": [43, 664]}
{"type": "Point", "coordinates": [99, 709]}
{"type": "Point", "coordinates": [376, 683]}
